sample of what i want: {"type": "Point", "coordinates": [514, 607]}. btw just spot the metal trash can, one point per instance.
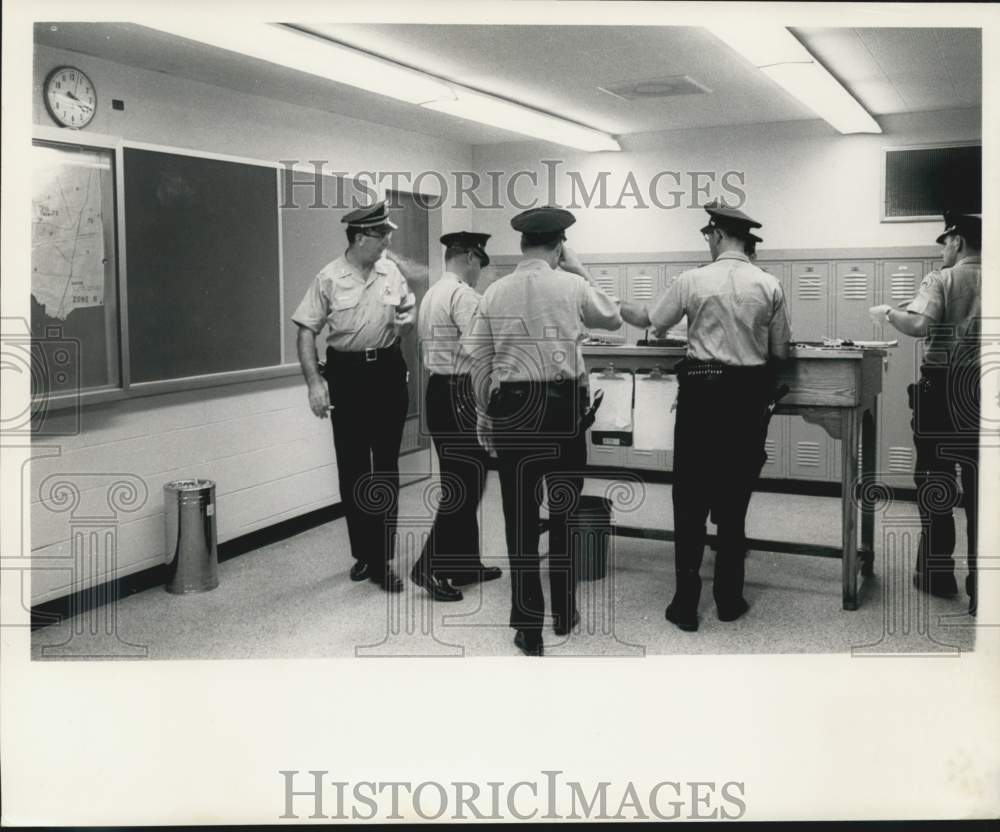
{"type": "Point", "coordinates": [192, 549]}
{"type": "Point", "coordinates": [590, 532]}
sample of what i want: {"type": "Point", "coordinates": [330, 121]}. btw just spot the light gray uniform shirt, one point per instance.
{"type": "Point", "coordinates": [445, 313]}
{"type": "Point", "coordinates": [530, 324]}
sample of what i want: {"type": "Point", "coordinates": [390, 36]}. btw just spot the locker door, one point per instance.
{"type": "Point", "coordinates": [900, 280]}
{"type": "Point", "coordinates": [643, 284]}
{"type": "Point", "coordinates": [609, 280]}
{"type": "Point", "coordinates": [855, 295]}
{"type": "Point", "coordinates": [775, 467]}
{"type": "Point", "coordinates": [810, 301]}
{"type": "Point", "coordinates": [604, 454]}
{"type": "Point", "coordinates": [809, 451]}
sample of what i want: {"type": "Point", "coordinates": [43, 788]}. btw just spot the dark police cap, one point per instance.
{"type": "Point", "coordinates": [546, 220]}
{"type": "Point", "coordinates": [374, 216]}
{"type": "Point", "coordinates": [469, 241]}
{"type": "Point", "coordinates": [962, 224]}
{"type": "Point", "coordinates": [729, 219]}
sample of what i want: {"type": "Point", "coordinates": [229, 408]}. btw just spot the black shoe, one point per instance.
{"type": "Point", "coordinates": [439, 588]}
{"type": "Point", "coordinates": [389, 581]}
{"type": "Point", "coordinates": [733, 612]}
{"type": "Point", "coordinates": [560, 627]}
{"type": "Point", "coordinates": [483, 574]}
{"type": "Point", "coordinates": [688, 623]}
{"type": "Point", "coordinates": [360, 570]}
{"type": "Point", "coordinates": [941, 584]}
{"type": "Point", "coordinates": [529, 642]}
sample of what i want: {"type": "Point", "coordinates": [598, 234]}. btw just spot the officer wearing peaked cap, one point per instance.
{"type": "Point", "coordinates": [452, 550]}
{"type": "Point", "coordinates": [365, 303]}
{"type": "Point", "coordinates": [737, 323]}
{"type": "Point", "coordinates": [530, 384]}
{"type": "Point", "coordinates": [946, 401]}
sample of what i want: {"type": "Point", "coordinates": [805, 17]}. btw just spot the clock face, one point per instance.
{"type": "Point", "coordinates": [70, 97]}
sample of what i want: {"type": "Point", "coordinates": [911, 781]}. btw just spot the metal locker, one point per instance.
{"type": "Point", "coordinates": [604, 454]}
{"type": "Point", "coordinates": [643, 284]}
{"type": "Point", "coordinates": [809, 451]}
{"type": "Point", "coordinates": [644, 459]}
{"type": "Point", "coordinates": [609, 280]}
{"type": "Point", "coordinates": [901, 366]}
{"type": "Point", "coordinates": [855, 295]}
{"type": "Point", "coordinates": [774, 446]}
{"type": "Point", "coordinates": [810, 301]}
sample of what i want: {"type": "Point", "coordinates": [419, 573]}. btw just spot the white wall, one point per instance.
{"type": "Point", "coordinates": [807, 184]}
{"type": "Point", "coordinates": [271, 459]}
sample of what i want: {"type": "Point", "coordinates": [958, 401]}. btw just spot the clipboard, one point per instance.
{"type": "Point", "coordinates": [655, 410]}
{"type": "Point", "coordinates": [613, 422]}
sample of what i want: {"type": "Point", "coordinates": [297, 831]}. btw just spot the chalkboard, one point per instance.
{"type": "Point", "coordinates": [203, 282]}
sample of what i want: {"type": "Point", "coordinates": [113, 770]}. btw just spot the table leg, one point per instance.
{"type": "Point", "coordinates": [869, 451]}
{"type": "Point", "coordinates": [849, 509]}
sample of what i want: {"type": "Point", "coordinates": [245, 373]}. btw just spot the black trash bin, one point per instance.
{"type": "Point", "coordinates": [590, 532]}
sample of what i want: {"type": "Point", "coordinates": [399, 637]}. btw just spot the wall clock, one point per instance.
{"type": "Point", "coordinates": [70, 97]}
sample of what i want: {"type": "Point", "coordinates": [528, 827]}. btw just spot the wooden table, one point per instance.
{"type": "Point", "coordinates": [836, 388]}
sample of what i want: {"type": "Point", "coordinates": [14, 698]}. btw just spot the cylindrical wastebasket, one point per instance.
{"type": "Point", "coordinates": [591, 530]}
{"type": "Point", "coordinates": [192, 553]}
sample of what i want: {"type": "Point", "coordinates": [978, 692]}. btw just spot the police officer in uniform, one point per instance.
{"type": "Point", "coordinates": [946, 401]}
{"type": "Point", "coordinates": [530, 383]}
{"type": "Point", "coordinates": [451, 552]}
{"type": "Point", "coordinates": [366, 304]}
{"type": "Point", "coordinates": [737, 323]}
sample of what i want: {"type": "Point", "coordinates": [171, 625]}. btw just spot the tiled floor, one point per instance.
{"type": "Point", "coordinates": [293, 599]}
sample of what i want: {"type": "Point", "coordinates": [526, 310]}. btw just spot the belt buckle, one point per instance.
{"type": "Point", "coordinates": [371, 355]}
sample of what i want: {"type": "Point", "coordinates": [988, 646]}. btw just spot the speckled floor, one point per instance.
{"type": "Point", "coordinates": [293, 599]}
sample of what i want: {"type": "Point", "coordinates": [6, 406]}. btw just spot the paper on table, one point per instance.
{"type": "Point", "coordinates": [654, 413]}
{"type": "Point", "coordinates": [615, 412]}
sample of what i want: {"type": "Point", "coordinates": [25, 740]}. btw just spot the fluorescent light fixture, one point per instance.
{"type": "Point", "coordinates": [314, 55]}
{"type": "Point", "coordinates": [496, 112]}
{"type": "Point", "coordinates": [776, 52]}
{"type": "Point", "coordinates": [317, 55]}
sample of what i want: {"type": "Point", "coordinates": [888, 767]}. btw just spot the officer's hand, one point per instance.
{"type": "Point", "coordinates": [484, 433]}
{"type": "Point", "coordinates": [319, 400]}
{"type": "Point", "coordinates": [406, 311]}
{"type": "Point", "coordinates": [570, 262]}
{"type": "Point", "coordinates": [878, 313]}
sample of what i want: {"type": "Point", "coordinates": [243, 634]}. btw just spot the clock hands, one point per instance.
{"type": "Point", "coordinates": [76, 101]}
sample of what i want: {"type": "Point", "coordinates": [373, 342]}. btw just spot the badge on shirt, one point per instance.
{"type": "Point", "coordinates": [392, 291]}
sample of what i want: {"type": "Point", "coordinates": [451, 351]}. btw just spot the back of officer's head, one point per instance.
{"type": "Point", "coordinates": [547, 241]}
{"type": "Point", "coordinates": [463, 262]}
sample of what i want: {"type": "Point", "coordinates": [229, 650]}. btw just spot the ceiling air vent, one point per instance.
{"type": "Point", "coordinates": [668, 87]}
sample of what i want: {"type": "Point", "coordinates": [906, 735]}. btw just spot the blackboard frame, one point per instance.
{"type": "Point", "coordinates": [127, 388]}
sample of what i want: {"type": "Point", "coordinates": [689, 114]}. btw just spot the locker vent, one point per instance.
{"type": "Point", "coordinates": [807, 454]}
{"type": "Point", "coordinates": [902, 286]}
{"type": "Point", "coordinates": [900, 459]}
{"type": "Point", "coordinates": [809, 287]}
{"type": "Point", "coordinates": [642, 287]}
{"type": "Point", "coordinates": [856, 287]}
{"type": "Point", "coordinates": [769, 449]}
{"type": "Point", "coordinates": [608, 285]}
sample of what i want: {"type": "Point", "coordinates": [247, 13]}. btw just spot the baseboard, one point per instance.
{"type": "Point", "coordinates": [52, 612]}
